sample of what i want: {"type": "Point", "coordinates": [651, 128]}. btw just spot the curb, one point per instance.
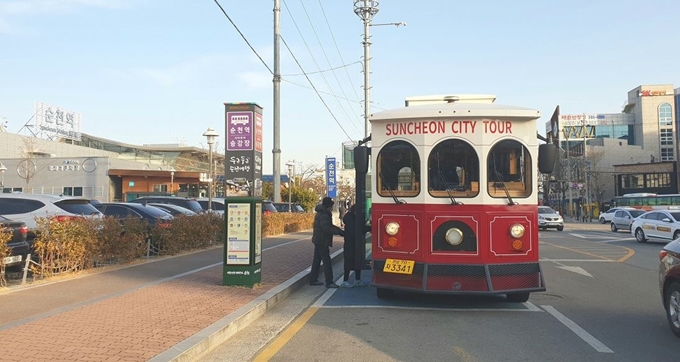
{"type": "Point", "coordinates": [220, 331]}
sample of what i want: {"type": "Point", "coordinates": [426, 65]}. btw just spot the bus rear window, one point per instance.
{"type": "Point", "coordinates": [398, 170]}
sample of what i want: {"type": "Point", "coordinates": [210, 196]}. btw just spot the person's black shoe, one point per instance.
{"type": "Point", "coordinates": [316, 283]}
{"type": "Point", "coordinates": [332, 285]}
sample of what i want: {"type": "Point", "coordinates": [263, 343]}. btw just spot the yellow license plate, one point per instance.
{"type": "Point", "coordinates": [398, 266]}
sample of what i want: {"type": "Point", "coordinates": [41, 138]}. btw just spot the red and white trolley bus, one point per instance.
{"type": "Point", "coordinates": [454, 197]}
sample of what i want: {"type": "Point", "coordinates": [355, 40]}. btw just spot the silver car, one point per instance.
{"type": "Point", "coordinates": [623, 218]}
{"type": "Point", "coordinates": [28, 207]}
{"type": "Point", "coordinates": [549, 218]}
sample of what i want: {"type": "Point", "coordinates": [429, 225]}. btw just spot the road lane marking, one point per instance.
{"type": "Point", "coordinates": [464, 355]}
{"type": "Point", "coordinates": [580, 260]}
{"type": "Point", "coordinates": [587, 337]}
{"type": "Point", "coordinates": [629, 252]}
{"type": "Point", "coordinates": [576, 251]}
{"type": "Point", "coordinates": [290, 332]}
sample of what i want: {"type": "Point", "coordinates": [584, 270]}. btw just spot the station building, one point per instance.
{"type": "Point", "coordinates": [635, 150]}
{"type": "Point", "coordinates": [102, 169]}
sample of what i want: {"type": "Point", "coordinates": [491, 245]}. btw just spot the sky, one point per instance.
{"type": "Point", "coordinates": [159, 71]}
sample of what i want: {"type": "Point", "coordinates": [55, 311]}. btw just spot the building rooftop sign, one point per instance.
{"type": "Point", "coordinates": [53, 122]}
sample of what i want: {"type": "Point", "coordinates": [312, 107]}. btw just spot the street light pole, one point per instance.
{"type": "Point", "coordinates": [366, 9]}
{"type": "Point", "coordinates": [2, 177]}
{"type": "Point", "coordinates": [585, 169]}
{"type": "Point", "coordinates": [210, 134]}
{"type": "Point", "coordinates": [172, 180]}
{"type": "Point", "coordinates": [291, 172]}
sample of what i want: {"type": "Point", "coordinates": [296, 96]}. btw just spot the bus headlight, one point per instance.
{"type": "Point", "coordinates": [454, 236]}
{"type": "Point", "coordinates": [392, 228]}
{"type": "Point", "coordinates": [517, 231]}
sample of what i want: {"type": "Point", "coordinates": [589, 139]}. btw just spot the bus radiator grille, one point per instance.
{"type": "Point", "coordinates": [515, 276]}
{"type": "Point", "coordinates": [496, 278]}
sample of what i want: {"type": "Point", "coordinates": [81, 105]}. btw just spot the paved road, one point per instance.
{"type": "Point", "coordinates": [602, 304]}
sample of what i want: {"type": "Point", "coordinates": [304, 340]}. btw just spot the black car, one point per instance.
{"type": "Point", "coordinates": [173, 210]}
{"type": "Point", "coordinates": [286, 207]}
{"type": "Point", "coordinates": [669, 283]}
{"type": "Point", "coordinates": [121, 210]}
{"type": "Point", "coordinates": [185, 202]}
{"type": "Point", "coordinates": [268, 208]}
{"type": "Point", "coordinates": [19, 247]}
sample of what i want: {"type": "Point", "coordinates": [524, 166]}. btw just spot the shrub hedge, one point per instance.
{"type": "Point", "coordinates": [81, 243]}
{"type": "Point", "coordinates": [5, 237]}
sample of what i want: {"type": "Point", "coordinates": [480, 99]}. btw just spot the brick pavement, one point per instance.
{"type": "Point", "coordinates": [145, 322]}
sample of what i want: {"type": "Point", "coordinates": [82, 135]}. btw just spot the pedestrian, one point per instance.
{"type": "Point", "coordinates": [343, 211]}
{"type": "Point", "coordinates": [349, 250]}
{"type": "Point", "coordinates": [322, 238]}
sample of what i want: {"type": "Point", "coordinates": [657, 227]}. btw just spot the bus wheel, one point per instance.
{"type": "Point", "coordinates": [614, 228]}
{"type": "Point", "coordinates": [518, 297]}
{"type": "Point", "coordinates": [385, 293]}
{"type": "Point", "coordinates": [640, 236]}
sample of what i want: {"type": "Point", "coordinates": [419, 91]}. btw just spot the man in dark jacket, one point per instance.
{"type": "Point", "coordinates": [322, 237]}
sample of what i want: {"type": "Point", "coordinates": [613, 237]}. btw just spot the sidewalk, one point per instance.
{"type": "Point", "coordinates": [168, 309]}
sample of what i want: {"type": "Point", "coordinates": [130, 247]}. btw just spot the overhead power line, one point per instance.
{"type": "Point", "coordinates": [315, 90]}
{"type": "Point", "coordinates": [323, 71]}
{"type": "Point", "coordinates": [244, 37]}
{"type": "Point", "coordinates": [309, 50]}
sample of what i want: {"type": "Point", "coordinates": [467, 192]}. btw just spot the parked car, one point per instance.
{"type": "Point", "coordinates": [284, 207]}
{"type": "Point", "coordinates": [549, 218]}
{"type": "Point", "coordinates": [623, 218]}
{"type": "Point", "coordinates": [173, 210]}
{"type": "Point", "coordinates": [28, 207]}
{"type": "Point", "coordinates": [148, 213]}
{"type": "Point", "coordinates": [268, 208]}
{"type": "Point", "coordinates": [185, 202]}
{"type": "Point", "coordinates": [608, 215]}
{"type": "Point", "coordinates": [218, 204]}
{"type": "Point", "coordinates": [669, 283]}
{"type": "Point", "coordinates": [656, 225]}
{"type": "Point", "coordinates": [18, 245]}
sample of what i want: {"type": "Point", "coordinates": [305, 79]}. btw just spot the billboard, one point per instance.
{"type": "Point", "coordinates": [53, 122]}
{"type": "Point", "coordinates": [331, 178]}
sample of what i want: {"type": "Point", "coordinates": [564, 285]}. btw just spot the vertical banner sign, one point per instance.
{"type": "Point", "coordinates": [331, 186]}
{"type": "Point", "coordinates": [243, 123]}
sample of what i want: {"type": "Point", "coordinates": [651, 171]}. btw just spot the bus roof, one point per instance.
{"type": "Point", "coordinates": [455, 106]}
{"type": "Point", "coordinates": [444, 98]}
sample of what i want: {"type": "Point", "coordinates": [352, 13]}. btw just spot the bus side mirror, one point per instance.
{"type": "Point", "coordinates": [547, 155]}
{"type": "Point", "coordinates": [361, 159]}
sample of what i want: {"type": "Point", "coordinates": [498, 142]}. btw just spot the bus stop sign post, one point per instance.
{"type": "Point", "coordinates": [243, 209]}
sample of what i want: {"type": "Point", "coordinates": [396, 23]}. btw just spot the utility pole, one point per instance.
{"type": "Point", "coordinates": [366, 9]}
{"type": "Point", "coordinates": [585, 169]}
{"type": "Point", "coordinates": [569, 179]}
{"type": "Point", "coordinates": [277, 103]}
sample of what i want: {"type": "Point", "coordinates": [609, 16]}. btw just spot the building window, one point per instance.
{"type": "Point", "coordinates": [666, 154]}
{"type": "Point", "coordinates": [665, 115]}
{"type": "Point", "coordinates": [632, 181]}
{"type": "Point", "coordinates": [160, 188]}
{"type": "Point", "coordinates": [72, 191]}
{"type": "Point", "coordinates": [666, 136]}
